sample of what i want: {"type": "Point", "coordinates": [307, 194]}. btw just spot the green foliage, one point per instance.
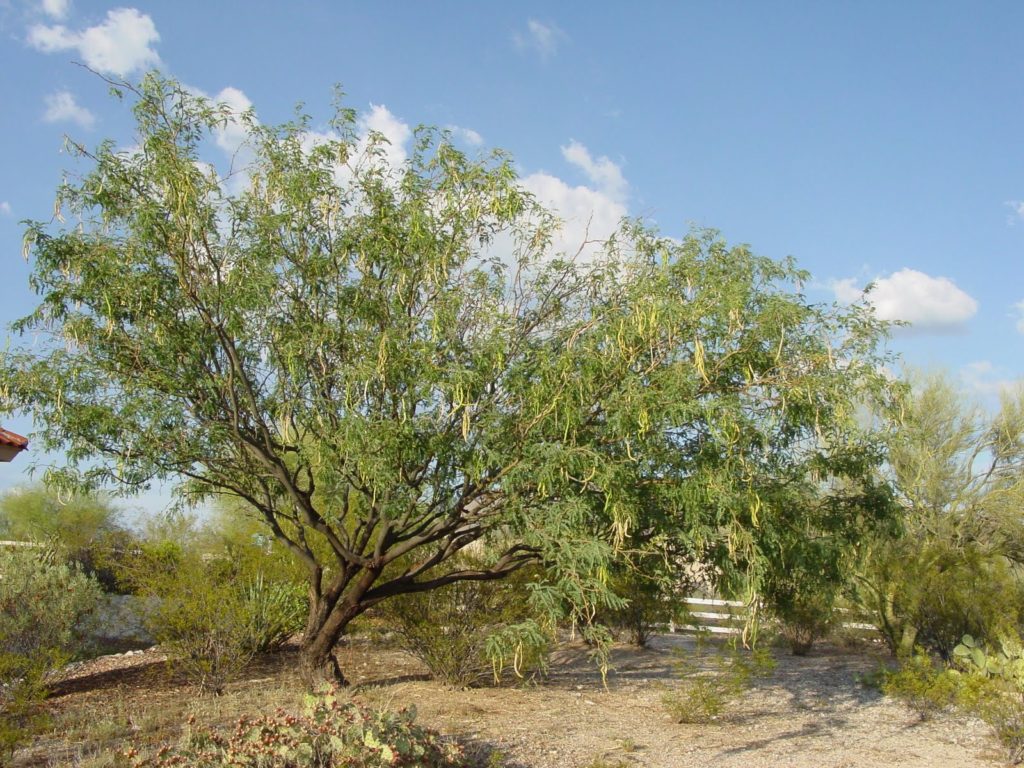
{"type": "Point", "coordinates": [274, 612]}
{"type": "Point", "coordinates": [238, 533]}
{"type": "Point", "coordinates": [75, 523]}
{"type": "Point", "coordinates": [805, 618]}
{"type": "Point", "coordinates": [469, 631]}
{"type": "Point", "coordinates": [954, 569]}
{"type": "Point", "coordinates": [85, 528]}
{"type": "Point", "coordinates": [329, 733]}
{"type": "Point", "coordinates": [711, 682]}
{"type": "Point", "coordinates": [209, 618]}
{"type": "Point", "coordinates": [391, 363]}
{"type": "Point", "coordinates": [813, 546]}
{"type": "Point", "coordinates": [924, 686]}
{"type": "Point", "coordinates": [653, 594]}
{"type": "Point", "coordinates": [43, 606]}
{"type": "Point", "coordinates": [993, 689]}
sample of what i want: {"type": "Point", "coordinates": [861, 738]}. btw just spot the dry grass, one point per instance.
{"type": "Point", "coordinates": [96, 716]}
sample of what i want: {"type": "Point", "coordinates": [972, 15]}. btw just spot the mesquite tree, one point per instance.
{"type": "Point", "coordinates": [390, 363]}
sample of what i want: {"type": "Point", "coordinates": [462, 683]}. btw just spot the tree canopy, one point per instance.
{"type": "Point", "coordinates": [391, 363]}
{"type": "Point", "coordinates": [957, 472]}
{"type": "Point", "coordinates": [74, 523]}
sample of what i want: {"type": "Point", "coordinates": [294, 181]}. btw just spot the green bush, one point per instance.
{"type": "Point", "coordinates": [85, 529]}
{"type": "Point", "coordinates": [650, 603]}
{"type": "Point", "coordinates": [805, 619]}
{"type": "Point", "coordinates": [43, 607]}
{"type": "Point", "coordinates": [931, 593]}
{"type": "Point", "coordinates": [209, 619]}
{"type": "Point", "coordinates": [711, 682]}
{"type": "Point", "coordinates": [329, 733]}
{"type": "Point", "coordinates": [925, 687]}
{"type": "Point", "coordinates": [975, 595]}
{"type": "Point", "coordinates": [274, 611]}
{"type": "Point", "coordinates": [470, 630]}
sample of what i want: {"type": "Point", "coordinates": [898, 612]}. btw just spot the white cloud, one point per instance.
{"type": "Point", "coordinates": [589, 216]}
{"type": "Point", "coordinates": [122, 44]}
{"type": "Point", "coordinates": [926, 302]}
{"type": "Point", "coordinates": [1017, 206]}
{"type": "Point", "coordinates": [985, 379]}
{"type": "Point", "coordinates": [1019, 310]}
{"type": "Point", "coordinates": [56, 9]}
{"type": "Point", "coordinates": [467, 135]}
{"type": "Point", "coordinates": [232, 135]}
{"type": "Point", "coordinates": [5, 208]}
{"type": "Point", "coordinates": [847, 290]}
{"type": "Point", "coordinates": [380, 120]}
{"type": "Point", "coordinates": [539, 37]}
{"type": "Point", "coordinates": [602, 172]}
{"type": "Point", "coordinates": [61, 107]}
{"type": "Point", "coordinates": [389, 154]}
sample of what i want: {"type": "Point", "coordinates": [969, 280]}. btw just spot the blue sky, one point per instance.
{"type": "Point", "coordinates": [872, 141]}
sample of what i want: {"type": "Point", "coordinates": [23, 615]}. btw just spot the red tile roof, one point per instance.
{"type": "Point", "coordinates": [10, 438]}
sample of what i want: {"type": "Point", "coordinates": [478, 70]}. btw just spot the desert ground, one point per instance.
{"type": "Point", "coordinates": [818, 711]}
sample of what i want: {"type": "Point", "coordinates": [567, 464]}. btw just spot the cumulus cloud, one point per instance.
{"type": "Point", "coordinates": [5, 208]}
{"type": "Point", "coordinates": [379, 120]}
{"type": "Point", "coordinates": [589, 217]}
{"type": "Point", "coordinates": [540, 38]}
{"type": "Point", "coordinates": [927, 303]}
{"type": "Point", "coordinates": [468, 135]}
{"type": "Point", "coordinates": [120, 45]}
{"type": "Point", "coordinates": [61, 107]}
{"type": "Point", "coordinates": [589, 214]}
{"type": "Point", "coordinates": [232, 135]}
{"type": "Point", "coordinates": [56, 9]}
{"type": "Point", "coordinates": [602, 172]}
{"type": "Point", "coordinates": [986, 379]}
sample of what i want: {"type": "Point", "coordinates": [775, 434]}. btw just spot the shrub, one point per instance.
{"type": "Point", "coordinates": [209, 622]}
{"type": "Point", "coordinates": [274, 611]}
{"type": "Point", "coordinates": [43, 605]}
{"type": "Point", "coordinates": [328, 733]}
{"type": "Point", "coordinates": [203, 628]}
{"type": "Point", "coordinates": [993, 689]}
{"type": "Point", "coordinates": [805, 619]}
{"type": "Point", "coordinates": [650, 602]}
{"type": "Point", "coordinates": [925, 687]}
{"type": "Point", "coordinates": [470, 630]}
{"type": "Point", "coordinates": [708, 688]}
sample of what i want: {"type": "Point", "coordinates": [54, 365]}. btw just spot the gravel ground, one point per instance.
{"type": "Point", "coordinates": [811, 712]}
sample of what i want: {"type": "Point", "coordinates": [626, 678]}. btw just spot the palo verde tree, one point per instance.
{"type": "Point", "coordinates": [391, 363]}
{"type": "Point", "coordinates": [958, 474]}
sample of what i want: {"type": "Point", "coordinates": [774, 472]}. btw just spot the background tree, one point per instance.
{"type": "Point", "coordinates": [958, 474]}
{"type": "Point", "coordinates": [76, 522]}
{"type": "Point", "coordinates": [85, 528]}
{"type": "Point", "coordinates": [814, 547]}
{"type": "Point", "coordinates": [389, 364]}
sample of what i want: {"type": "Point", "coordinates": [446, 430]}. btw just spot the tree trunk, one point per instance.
{"type": "Point", "coordinates": [323, 631]}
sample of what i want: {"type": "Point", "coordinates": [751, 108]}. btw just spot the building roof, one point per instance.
{"type": "Point", "coordinates": [10, 438]}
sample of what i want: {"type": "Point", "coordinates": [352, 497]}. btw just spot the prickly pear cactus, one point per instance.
{"type": "Point", "coordinates": [1007, 662]}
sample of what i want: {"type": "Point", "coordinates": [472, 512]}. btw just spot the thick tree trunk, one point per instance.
{"type": "Point", "coordinates": [323, 631]}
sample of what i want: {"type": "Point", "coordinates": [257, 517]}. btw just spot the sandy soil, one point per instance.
{"type": "Point", "coordinates": [811, 712]}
